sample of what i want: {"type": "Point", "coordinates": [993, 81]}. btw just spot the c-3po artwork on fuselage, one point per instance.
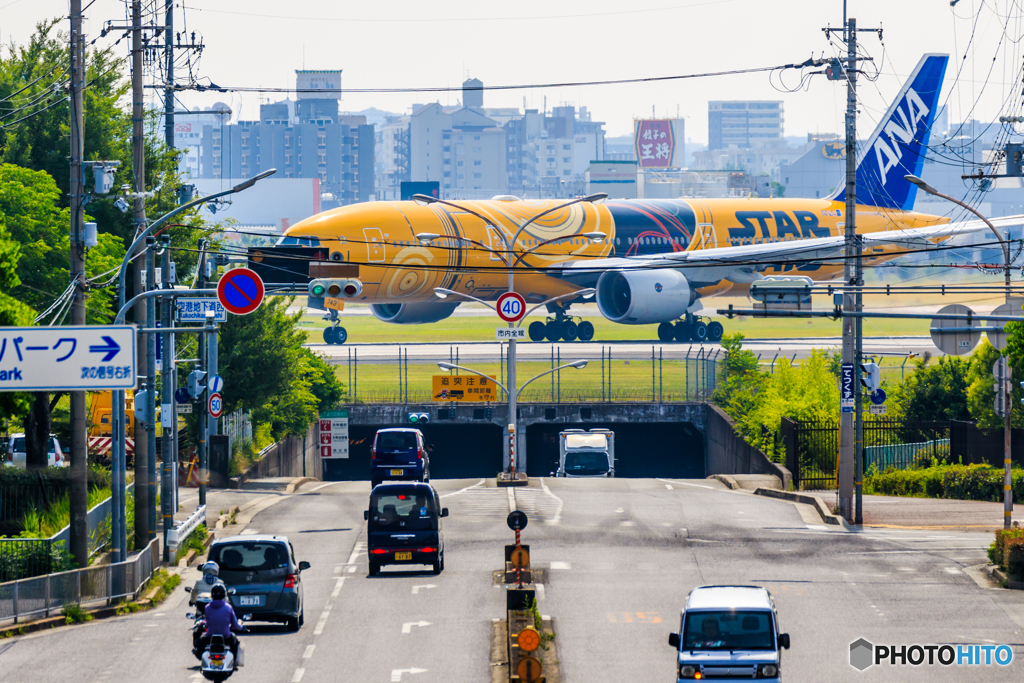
{"type": "Point", "coordinates": [659, 257]}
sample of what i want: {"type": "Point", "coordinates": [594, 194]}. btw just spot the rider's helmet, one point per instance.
{"type": "Point", "coordinates": [211, 570]}
{"type": "Point", "coordinates": [218, 592]}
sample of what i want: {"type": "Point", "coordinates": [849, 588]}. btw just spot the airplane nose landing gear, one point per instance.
{"type": "Point", "coordinates": [335, 334]}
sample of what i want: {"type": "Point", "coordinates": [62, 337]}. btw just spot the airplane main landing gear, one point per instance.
{"type": "Point", "coordinates": [561, 327]}
{"type": "Point", "coordinates": [691, 329]}
{"type": "Point", "coordinates": [334, 334]}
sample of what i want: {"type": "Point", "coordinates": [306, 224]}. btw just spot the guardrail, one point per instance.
{"type": "Point", "coordinates": [42, 595]}
{"type": "Point", "coordinates": [177, 535]}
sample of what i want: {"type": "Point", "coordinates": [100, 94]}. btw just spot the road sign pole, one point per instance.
{"type": "Point", "coordinates": [211, 361]}
{"type": "Point", "coordinates": [167, 398]}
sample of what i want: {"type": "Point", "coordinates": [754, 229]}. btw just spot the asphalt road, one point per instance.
{"type": "Point", "coordinates": [490, 352]}
{"type": "Point", "coordinates": [621, 556]}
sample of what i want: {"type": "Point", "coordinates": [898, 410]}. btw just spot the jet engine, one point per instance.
{"type": "Point", "coordinates": [413, 314]}
{"type": "Point", "coordinates": [641, 297]}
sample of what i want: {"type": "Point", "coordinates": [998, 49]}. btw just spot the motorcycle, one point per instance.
{"type": "Point", "coordinates": [201, 600]}
{"type": "Point", "coordinates": [218, 662]}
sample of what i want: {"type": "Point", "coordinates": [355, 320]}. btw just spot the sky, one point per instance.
{"type": "Point", "coordinates": [402, 43]}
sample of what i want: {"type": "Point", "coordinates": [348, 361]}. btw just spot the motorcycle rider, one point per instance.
{"type": "Point", "coordinates": [211, 577]}
{"type": "Point", "coordinates": [221, 620]}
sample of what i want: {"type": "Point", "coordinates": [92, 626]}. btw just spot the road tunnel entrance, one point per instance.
{"type": "Point", "coordinates": [653, 449]}
{"type": "Point", "coordinates": [459, 451]}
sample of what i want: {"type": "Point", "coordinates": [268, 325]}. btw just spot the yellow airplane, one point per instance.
{"type": "Point", "coordinates": [658, 257]}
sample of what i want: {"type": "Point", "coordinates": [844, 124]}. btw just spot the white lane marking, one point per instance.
{"type": "Point", "coordinates": [554, 521]}
{"type": "Point", "coordinates": [455, 493]}
{"type": "Point", "coordinates": [248, 532]}
{"type": "Point", "coordinates": [669, 487]}
{"type": "Point", "coordinates": [298, 675]}
{"type": "Point", "coordinates": [337, 570]}
{"type": "Point", "coordinates": [684, 532]}
{"type": "Point", "coordinates": [511, 498]}
{"type": "Point", "coordinates": [951, 570]}
{"type": "Point", "coordinates": [337, 588]}
{"type": "Point", "coordinates": [317, 488]}
{"type": "Point", "coordinates": [627, 523]}
{"type": "Point", "coordinates": [699, 486]}
{"type": "Point", "coordinates": [816, 527]}
{"type": "Point", "coordinates": [407, 626]}
{"type": "Point", "coordinates": [322, 622]}
{"type": "Point", "coordinates": [396, 674]}
{"type": "Point", "coordinates": [619, 511]}
{"type": "Point", "coordinates": [309, 651]}
{"type": "Point", "coordinates": [561, 565]}
{"type": "Point", "coordinates": [540, 591]}
{"type": "Point", "coordinates": [416, 589]}
{"type": "Point", "coordinates": [352, 570]}
{"type": "Point", "coordinates": [357, 550]}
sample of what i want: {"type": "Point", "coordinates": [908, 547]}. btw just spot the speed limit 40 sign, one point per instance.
{"type": "Point", "coordinates": [511, 307]}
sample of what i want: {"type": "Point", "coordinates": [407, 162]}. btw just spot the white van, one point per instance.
{"type": "Point", "coordinates": [729, 633]}
{"type": "Point", "coordinates": [16, 453]}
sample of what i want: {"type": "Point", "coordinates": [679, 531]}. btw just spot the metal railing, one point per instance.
{"type": "Point", "coordinates": [238, 426]}
{"type": "Point", "coordinates": [666, 373]}
{"type": "Point", "coordinates": [42, 595]}
{"type": "Point", "coordinates": [177, 535]}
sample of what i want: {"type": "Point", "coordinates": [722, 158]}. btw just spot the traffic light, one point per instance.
{"type": "Point", "coordinates": [418, 418]}
{"type": "Point", "coordinates": [346, 288]}
{"type": "Point", "coordinates": [870, 376]}
{"type": "Point", "coordinates": [196, 383]}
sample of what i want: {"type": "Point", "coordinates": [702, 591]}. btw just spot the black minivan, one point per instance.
{"type": "Point", "coordinates": [399, 453]}
{"type": "Point", "coordinates": [404, 526]}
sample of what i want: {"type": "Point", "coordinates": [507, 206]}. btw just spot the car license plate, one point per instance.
{"type": "Point", "coordinates": [216, 665]}
{"type": "Point", "coordinates": [397, 473]}
{"type": "Point", "coordinates": [251, 600]}
{"type": "Point", "coordinates": [403, 556]}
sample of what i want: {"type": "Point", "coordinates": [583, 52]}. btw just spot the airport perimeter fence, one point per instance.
{"type": "Point", "coordinates": [43, 595]}
{"type": "Point", "coordinates": [812, 447]}
{"type": "Point", "coordinates": [668, 374]}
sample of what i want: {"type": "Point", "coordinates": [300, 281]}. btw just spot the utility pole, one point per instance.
{"type": "Point", "coordinates": [169, 90]}
{"type": "Point", "coordinates": [79, 454]}
{"type": "Point", "coordinates": [851, 423]}
{"type": "Point", "coordinates": [143, 503]}
{"type": "Point", "coordinates": [168, 470]}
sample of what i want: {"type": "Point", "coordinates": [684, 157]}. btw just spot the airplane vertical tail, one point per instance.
{"type": "Point", "coordinates": [898, 145]}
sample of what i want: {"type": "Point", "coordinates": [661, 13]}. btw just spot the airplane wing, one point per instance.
{"type": "Point", "coordinates": [746, 262]}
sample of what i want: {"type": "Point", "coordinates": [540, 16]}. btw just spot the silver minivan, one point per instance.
{"type": "Point", "coordinates": [15, 456]}
{"type": "Point", "coordinates": [729, 633]}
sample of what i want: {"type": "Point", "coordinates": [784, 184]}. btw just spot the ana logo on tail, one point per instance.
{"type": "Point", "coordinates": [912, 113]}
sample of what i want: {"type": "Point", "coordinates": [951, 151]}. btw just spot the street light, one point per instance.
{"type": "Point", "coordinates": [1004, 243]}
{"type": "Point", "coordinates": [426, 238]}
{"type": "Point", "coordinates": [117, 457]}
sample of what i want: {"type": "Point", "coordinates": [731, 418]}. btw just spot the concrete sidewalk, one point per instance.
{"type": "Point", "coordinates": [904, 512]}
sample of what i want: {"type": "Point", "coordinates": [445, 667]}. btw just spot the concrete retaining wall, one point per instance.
{"type": "Point", "coordinates": [295, 456]}
{"type": "Point", "coordinates": [728, 453]}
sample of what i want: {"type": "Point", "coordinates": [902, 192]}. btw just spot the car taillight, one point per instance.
{"type": "Point", "coordinates": [289, 581]}
{"type": "Point", "coordinates": [428, 550]}
{"type": "Point", "coordinates": [377, 551]}
{"type": "Point", "coordinates": [419, 454]}
{"type": "Point", "coordinates": [373, 454]}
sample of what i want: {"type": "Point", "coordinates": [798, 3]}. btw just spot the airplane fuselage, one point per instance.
{"type": "Point", "coordinates": [394, 267]}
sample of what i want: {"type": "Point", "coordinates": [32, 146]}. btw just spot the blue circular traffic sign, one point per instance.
{"type": "Point", "coordinates": [878, 396]}
{"type": "Point", "coordinates": [181, 395]}
{"type": "Point", "coordinates": [240, 291]}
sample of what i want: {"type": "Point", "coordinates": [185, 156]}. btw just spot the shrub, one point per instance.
{"type": "Point", "coordinates": [74, 614]}
{"type": "Point", "coordinates": [961, 482]}
{"type": "Point", "coordinates": [1013, 554]}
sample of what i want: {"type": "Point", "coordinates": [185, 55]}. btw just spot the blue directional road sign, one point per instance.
{"type": "Point", "coordinates": [846, 398]}
{"type": "Point", "coordinates": [67, 358]}
{"type": "Point", "coordinates": [194, 310]}
{"type": "Point", "coordinates": [181, 395]}
{"type": "Point", "coordinates": [215, 384]}
{"type": "Point", "coordinates": [878, 397]}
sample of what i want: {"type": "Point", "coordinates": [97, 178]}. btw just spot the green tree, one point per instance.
{"type": "Point", "coordinates": [980, 390]}
{"type": "Point", "coordinates": [935, 392]}
{"type": "Point", "coordinates": [805, 392]}
{"type": "Point", "coordinates": [740, 379]}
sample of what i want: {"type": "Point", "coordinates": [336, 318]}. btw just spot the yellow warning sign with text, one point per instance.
{"type": "Point", "coordinates": [464, 388]}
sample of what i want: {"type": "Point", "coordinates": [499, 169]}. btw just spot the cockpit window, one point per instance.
{"type": "Point", "coordinates": [289, 241]}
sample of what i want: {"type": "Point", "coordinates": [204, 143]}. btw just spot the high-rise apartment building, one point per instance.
{"type": "Point", "coordinates": [744, 124]}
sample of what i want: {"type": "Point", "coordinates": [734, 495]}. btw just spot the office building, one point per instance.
{"type": "Point", "coordinates": [744, 124]}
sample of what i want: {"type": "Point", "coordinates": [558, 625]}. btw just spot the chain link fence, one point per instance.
{"type": "Point", "coordinates": [404, 374]}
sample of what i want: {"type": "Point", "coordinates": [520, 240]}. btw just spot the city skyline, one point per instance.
{"type": "Point", "coordinates": [574, 43]}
